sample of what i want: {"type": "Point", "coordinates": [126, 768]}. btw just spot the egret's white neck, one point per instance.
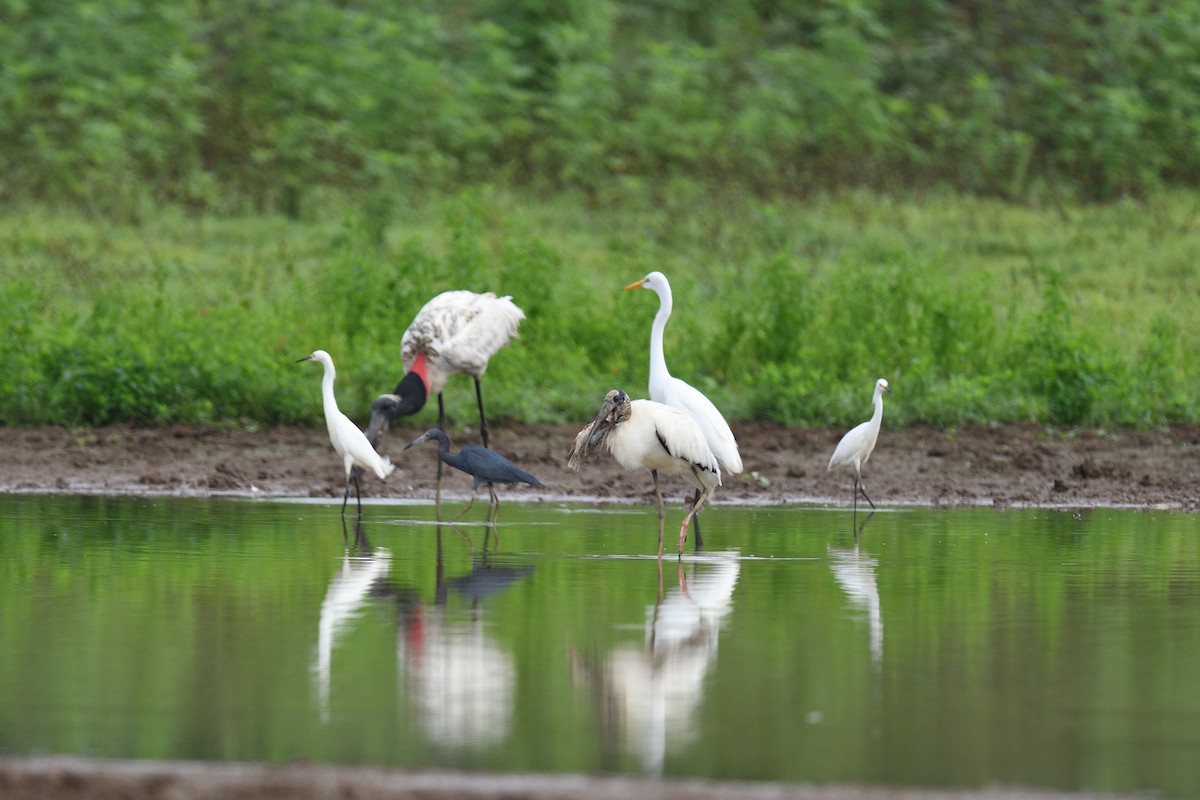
{"type": "Point", "coordinates": [658, 361]}
{"type": "Point", "coordinates": [877, 417]}
{"type": "Point", "coordinates": [329, 401]}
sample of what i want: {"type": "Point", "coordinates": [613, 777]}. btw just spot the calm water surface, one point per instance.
{"type": "Point", "coordinates": [947, 648]}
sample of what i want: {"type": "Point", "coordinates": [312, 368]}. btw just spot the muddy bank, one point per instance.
{"type": "Point", "coordinates": [1010, 465]}
{"type": "Point", "coordinates": [75, 778]}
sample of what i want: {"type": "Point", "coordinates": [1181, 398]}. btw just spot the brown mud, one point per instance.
{"type": "Point", "coordinates": [1002, 466]}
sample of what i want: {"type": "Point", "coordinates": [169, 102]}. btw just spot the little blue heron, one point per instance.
{"type": "Point", "coordinates": [483, 465]}
{"type": "Point", "coordinates": [856, 446]}
{"type": "Point", "coordinates": [349, 442]}
{"type": "Point", "coordinates": [643, 433]}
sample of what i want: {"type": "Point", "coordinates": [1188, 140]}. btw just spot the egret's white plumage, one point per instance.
{"type": "Point", "coordinates": [643, 433]}
{"type": "Point", "coordinates": [671, 391]}
{"type": "Point", "coordinates": [455, 333]}
{"type": "Point", "coordinates": [858, 444]}
{"type": "Point", "coordinates": [349, 442]}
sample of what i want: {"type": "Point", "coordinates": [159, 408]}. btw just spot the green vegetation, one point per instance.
{"type": "Point", "coordinates": [198, 193]}
{"type": "Point", "coordinates": [122, 104]}
{"type": "Point", "coordinates": [976, 310]}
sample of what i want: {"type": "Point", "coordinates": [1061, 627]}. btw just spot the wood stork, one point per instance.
{"type": "Point", "coordinates": [484, 465]}
{"type": "Point", "coordinates": [349, 442]}
{"type": "Point", "coordinates": [643, 433]}
{"type": "Point", "coordinates": [671, 391]}
{"type": "Point", "coordinates": [454, 333]}
{"type": "Point", "coordinates": [856, 446]}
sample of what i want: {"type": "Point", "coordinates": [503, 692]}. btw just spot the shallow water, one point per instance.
{"type": "Point", "coordinates": [947, 648]}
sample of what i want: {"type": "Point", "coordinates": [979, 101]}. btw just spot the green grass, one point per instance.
{"type": "Point", "coordinates": [975, 310]}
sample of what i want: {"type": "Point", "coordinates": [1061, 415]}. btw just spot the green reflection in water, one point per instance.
{"type": "Point", "coordinates": [946, 648]}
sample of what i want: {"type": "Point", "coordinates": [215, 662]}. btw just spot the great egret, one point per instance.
{"type": "Point", "coordinates": [856, 446]}
{"type": "Point", "coordinates": [454, 333]}
{"type": "Point", "coordinates": [349, 442]}
{"type": "Point", "coordinates": [484, 465]}
{"type": "Point", "coordinates": [671, 391]}
{"type": "Point", "coordinates": [643, 433]}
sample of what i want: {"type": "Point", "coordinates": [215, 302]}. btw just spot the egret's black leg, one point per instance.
{"type": "Point", "coordinates": [863, 488]}
{"type": "Point", "coordinates": [696, 522]}
{"type": "Point", "coordinates": [854, 500]}
{"type": "Point", "coordinates": [357, 496]}
{"type": "Point", "coordinates": [345, 497]}
{"type": "Point", "coordinates": [482, 419]}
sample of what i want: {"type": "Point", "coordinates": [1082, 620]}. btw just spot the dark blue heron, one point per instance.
{"type": "Point", "coordinates": [482, 464]}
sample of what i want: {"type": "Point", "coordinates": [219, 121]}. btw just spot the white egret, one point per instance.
{"type": "Point", "coordinates": [454, 333]}
{"type": "Point", "coordinates": [643, 433]}
{"type": "Point", "coordinates": [671, 391]}
{"type": "Point", "coordinates": [856, 446]}
{"type": "Point", "coordinates": [349, 442]}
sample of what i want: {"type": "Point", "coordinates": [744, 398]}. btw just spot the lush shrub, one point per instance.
{"type": "Point", "coordinates": [261, 104]}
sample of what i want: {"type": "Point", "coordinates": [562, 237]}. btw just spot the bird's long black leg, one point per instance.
{"type": "Point", "coordinates": [437, 500]}
{"type": "Point", "coordinates": [345, 497]}
{"type": "Point", "coordinates": [662, 513]}
{"type": "Point", "coordinates": [696, 521]}
{"type": "Point", "coordinates": [357, 496]}
{"type": "Point", "coordinates": [482, 419]}
{"type": "Point", "coordinates": [863, 488]}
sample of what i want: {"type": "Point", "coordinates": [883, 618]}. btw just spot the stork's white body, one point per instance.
{"type": "Point", "coordinates": [671, 391]}
{"type": "Point", "coordinates": [459, 332]}
{"type": "Point", "coordinates": [650, 435]}
{"type": "Point", "coordinates": [659, 437]}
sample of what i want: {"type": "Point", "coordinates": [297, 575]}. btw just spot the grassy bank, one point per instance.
{"type": "Point", "coordinates": [974, 309]}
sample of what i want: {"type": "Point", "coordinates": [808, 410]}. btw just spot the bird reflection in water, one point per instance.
{"type": "Point", "coordinates": [647, 695]}
{"type": "Point", "coordinates": [461, 683]}
{"type": "Point", "coordinates": [363, 570]}
{"type": "Point", "coordinates": [854, 572]}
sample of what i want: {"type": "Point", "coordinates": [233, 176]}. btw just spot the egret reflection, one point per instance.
{"type": "Point", "coordinates": [854, 572]}
{"type": "Point", "coordinates": [647, 695]}
{"type": "Point", "coordinates": [362, 571]}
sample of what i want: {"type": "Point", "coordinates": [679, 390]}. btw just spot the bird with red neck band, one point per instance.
{"type": "Point", "coordinates": [455, 333]}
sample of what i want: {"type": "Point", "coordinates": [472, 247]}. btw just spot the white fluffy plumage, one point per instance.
{"type": "Point", "coordinates": [459, 331]}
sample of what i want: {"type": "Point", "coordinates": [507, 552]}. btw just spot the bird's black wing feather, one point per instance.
{"type": "Point", "coordinates": [488, 465]}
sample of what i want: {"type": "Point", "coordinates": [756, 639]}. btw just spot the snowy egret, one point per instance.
{"type": "Point", "coordinates": [454, 333]}
{"type": "Point", "coordinates": [643, 433]}
{"type": "Point", "coordinates": [349, 442]}
{"type": "Point", "coordinates": [856, 446]}
{"type": "Point", "coordinates": [484, 465]}
{"type": "Point", "coordinates": [671, 391]}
